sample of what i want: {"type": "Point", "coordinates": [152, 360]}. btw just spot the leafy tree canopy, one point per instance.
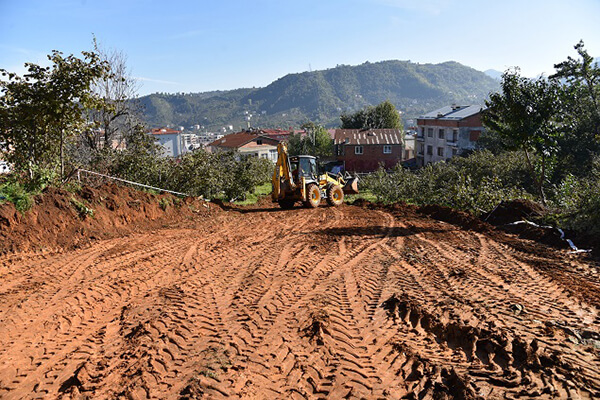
{"type": "Point", "coordinates": [382, 116]}
{"type": "Point", "coordinates": [316, 142]}
{"type": "Point", "coordinates": [528, 115]}
{"type": "Point", "coordinates": [43, 109]}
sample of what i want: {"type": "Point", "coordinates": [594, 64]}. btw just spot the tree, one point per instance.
{"type": "Point", "coordinates": [118, 90]}
{"type": "Point", "coordinates": [42, 110]}
{"type": "Point", "coordinates": [316, 142]}
{"type": "Point", "coordinates": [382, 116]}
{"type": "Point", "coordinates": [528, 116]}
{"type": "Point", "coordinates": [580, 80]}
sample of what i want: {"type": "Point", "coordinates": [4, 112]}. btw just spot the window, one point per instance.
{"type": "Point", "coordinates": [387, 149]}
{"type": "Point", "coordinates": [429, 132]}
{"type": "Point", "coordinates": [422, 132]}
{"type": "Point", "coordinates": [455, 135]}
{"type": "Point", "coordinates": [440, 134]}
{"type": "Point", "coordinates": [454, 151]}
{"type": "Point", "coordinates": [429, 150]}
{"type": "Point", "coordinates": [440, 151]}
{"type": "Point", "coordinates": [421, 148]}
{"type": "Point", "coordinates": [358, 149]}
{"type": "Point", "coordinates": [258, 141]}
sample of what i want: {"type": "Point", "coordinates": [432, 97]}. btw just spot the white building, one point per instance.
{"type": "Point", "coordinates": [171, 140]}
{"type": "Point", "coordinates": [447, 132]}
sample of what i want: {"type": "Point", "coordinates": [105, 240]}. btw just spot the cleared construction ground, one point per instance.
{"type": "Point", "coordinates": [346, 302]}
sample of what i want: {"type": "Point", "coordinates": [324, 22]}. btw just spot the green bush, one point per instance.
{"type": "Point", "coordinates": [83, 210]}
{"type": "Point", "coordinates": [578, 201]}
{"type": "Point", "coordinates": [16, 193]}
{"type": "Point", "coordinates": [475, 184]}
{"type": "Point", "coordinates": [164, 203]}
{"type": "Point", "coordinates": [223, 175]}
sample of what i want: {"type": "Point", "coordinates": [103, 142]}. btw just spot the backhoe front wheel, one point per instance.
{"type": "Point", "coordinates": [313, 196]}
{"type": "Point", "coordinates": [286, 204]}
{"type": "Point", "coordinates": [335, 195]}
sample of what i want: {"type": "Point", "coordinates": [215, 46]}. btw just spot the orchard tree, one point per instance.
{"type": "Point", "coordinates": [528, 116]}
{"type": "Point", "coordinates": [45, 108]}
{"type": "Point", "coordinates": [382, 116]}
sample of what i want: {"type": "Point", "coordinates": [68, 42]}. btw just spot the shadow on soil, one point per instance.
{"type": "Point", "coordinates": [371, 231]}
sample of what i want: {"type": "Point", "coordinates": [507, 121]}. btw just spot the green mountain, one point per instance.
{"type": "Point", "coordinates": [321, 96]}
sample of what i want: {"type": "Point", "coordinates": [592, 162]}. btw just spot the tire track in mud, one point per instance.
{"type": "Point", "coordinates": [492, 283]}
{"type": "Point", "coordinates": [323, 303]}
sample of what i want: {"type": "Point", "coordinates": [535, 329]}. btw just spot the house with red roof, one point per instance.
{"type": "Point", "coordinates": [364, 150]}
{"type": "Point", "coordinates": [247, 144]}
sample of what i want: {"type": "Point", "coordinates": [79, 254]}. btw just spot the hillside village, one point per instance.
{"type": "Point", "coordinates": [438, 135]}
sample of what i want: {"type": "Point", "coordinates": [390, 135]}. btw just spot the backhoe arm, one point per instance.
{"type": "Point", "coordinates": [282, 176]}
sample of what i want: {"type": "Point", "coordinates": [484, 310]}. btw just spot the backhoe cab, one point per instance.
{"type": "Point", "coordinates": [296, 179]}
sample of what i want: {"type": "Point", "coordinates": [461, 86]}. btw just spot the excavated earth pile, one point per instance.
{"type": "Point", "coordinates": [346, 302]}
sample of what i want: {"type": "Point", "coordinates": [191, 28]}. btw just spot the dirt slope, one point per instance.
{"type": "Point", "coordinates": [344, 302]}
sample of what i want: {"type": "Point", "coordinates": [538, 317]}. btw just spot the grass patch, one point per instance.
{"type": "Point", "coordinates": [364, 194]}
{"type": "Point", "coordinates": [259, 191]}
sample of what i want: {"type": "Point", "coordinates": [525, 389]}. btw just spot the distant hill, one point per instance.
{"type": "Point", "coordinates": [321, 96]}
{"type": "Point", "coordinates": [494, 73]}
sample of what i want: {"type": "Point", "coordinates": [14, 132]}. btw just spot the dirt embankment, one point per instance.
{"type": "Point", "coordinates": [63, 220]}
{"type": "Point", "coordinates": [348, 302]}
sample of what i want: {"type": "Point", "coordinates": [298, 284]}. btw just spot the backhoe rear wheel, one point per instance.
{"type": "Point", "coordinates": [313, 196]}
{"type": "Point", "coordinates": [335, 195]}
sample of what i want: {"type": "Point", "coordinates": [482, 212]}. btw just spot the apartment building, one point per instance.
{"type": "Point", "coordinates": [447, 132]}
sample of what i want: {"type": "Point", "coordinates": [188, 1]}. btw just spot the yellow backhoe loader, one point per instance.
{"type": "Point", "coordinates": [296, 179]}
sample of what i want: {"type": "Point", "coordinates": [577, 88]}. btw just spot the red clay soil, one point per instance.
{"type": "Point", "coordinates": [56, 222]}
{"type": "Point", "coordinates": [259, 303]}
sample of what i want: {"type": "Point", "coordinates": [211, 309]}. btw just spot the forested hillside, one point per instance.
{"type": "Point", "coordinates": [321, 96]}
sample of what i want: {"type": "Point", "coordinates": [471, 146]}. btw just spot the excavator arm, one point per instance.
{"type": "Point", "coordinates": [282, 176]}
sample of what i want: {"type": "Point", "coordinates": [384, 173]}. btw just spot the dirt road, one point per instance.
{"type": "Point", "coordinates": [344, 302]}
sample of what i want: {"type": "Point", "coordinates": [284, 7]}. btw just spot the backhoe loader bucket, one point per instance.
{"type": "Point", "coordinates": [351, 186]}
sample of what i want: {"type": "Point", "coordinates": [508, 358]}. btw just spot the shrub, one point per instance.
{"type": "Point", "coordinates": [578, 200]}
{"type": "Point", "coordinates": [475, 184]}
{"type": "Point", "coordinates": [83, 210]}
{"type": "Point", "coordinates": [16, 193]}
{"type": "Point", "coordinates": [164, 203]}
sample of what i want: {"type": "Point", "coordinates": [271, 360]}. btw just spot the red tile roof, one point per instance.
{"type": "Point", "coordinates": [164, 131]}
{"type": "Point", "coordinates": [368, 136]}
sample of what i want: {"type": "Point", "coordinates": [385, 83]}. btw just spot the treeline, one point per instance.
{"type": "Point", "coordinates": [542, 143]}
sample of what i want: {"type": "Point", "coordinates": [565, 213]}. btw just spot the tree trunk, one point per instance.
{"type": "Point", "coordinates": [62, 158]}
{"type": "Point", "coordinates": [539, 182]}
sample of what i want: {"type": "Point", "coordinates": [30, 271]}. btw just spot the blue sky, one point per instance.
{"type": "Point", "coordinates": [193, 46]}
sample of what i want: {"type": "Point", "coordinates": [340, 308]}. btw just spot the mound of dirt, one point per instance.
{"type": "Point", "coordinates": [454, 217]}
{"type": "Point", "coordinates": [514, 210]}
{"type": "Point", "coordinates": [541, 234]}
{"type": "Point", "coordinates": [63, 220]}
